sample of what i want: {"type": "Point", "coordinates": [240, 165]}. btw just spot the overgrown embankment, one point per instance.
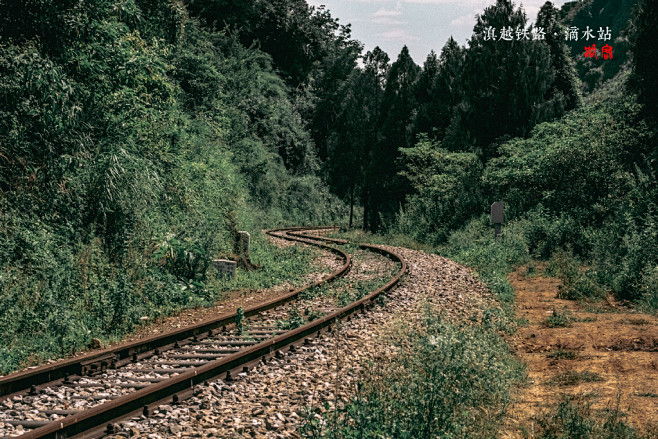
{"type": "Point", "coordinates": [135, 141]}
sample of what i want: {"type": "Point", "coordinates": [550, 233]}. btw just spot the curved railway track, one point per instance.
{"type": "Point", "coordinates": [106, 386]}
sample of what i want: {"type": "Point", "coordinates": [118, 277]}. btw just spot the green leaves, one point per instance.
{"type": "Point", "coordinates": [446, 190]}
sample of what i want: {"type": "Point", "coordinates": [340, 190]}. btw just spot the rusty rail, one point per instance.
{"type": "Point", "coordinates": [76, 425]}
{"type": "Point", "coordinates": [97, 361]}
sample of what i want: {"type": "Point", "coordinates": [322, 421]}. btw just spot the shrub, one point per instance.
{"type": "Point", "coordinates": [573, 418]}
{"type": "Point", "coordinates": [447, 381]}
{"type": "Point", "coordinates": [561, 354]}
{"type": "Point", "coordinates": [559, 319]}
{"type": "Point", "coordinates": [475, 246]}
{"type": "Point", "coordinates": [446, 191]}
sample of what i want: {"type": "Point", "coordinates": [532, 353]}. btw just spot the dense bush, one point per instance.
{"type": "Point", "coordinates": [446, 191]}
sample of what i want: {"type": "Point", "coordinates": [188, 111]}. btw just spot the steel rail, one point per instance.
{"type": "Point", "coordinates": [101, 360]}
{"type": "Point", "coordinates": [76, 425]}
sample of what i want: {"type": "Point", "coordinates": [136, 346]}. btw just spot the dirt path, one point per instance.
{"type": "Point", "coordinates": [605, 353]}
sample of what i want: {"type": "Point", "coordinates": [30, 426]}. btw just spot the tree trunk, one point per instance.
{"type": "Point", "coordinates": [351, 205]}
{"type": "Point", "coordinates": [366, 207]}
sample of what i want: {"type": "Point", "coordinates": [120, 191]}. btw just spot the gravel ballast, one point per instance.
{"type": "Point", "coordinates": [274, 399]}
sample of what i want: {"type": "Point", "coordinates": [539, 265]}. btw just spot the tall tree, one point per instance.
{"type": "Point", "coordinates": [327, 86]}
{"type": "Point", "coordinates": [375, 70]}
{"type": "Point", "coordinates": [425, 95]}
{"type": "Point", "coordinates": [395, 126]}
{"type": "Point", "coordinates": [504, 80]}
{"type": "Point", "coordinates": [645, 53]}
{"type": "Point", "coordinates": [564, 93]}
{"type": "Point", "coordinates": [295, 34]}
{"type": "Point", "coordinates": [438, 97]}
{"type": "Point", "coordinates": [346, 159]}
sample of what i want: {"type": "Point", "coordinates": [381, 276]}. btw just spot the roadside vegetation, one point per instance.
{"type": "Point", "coordinates": [136, 139]}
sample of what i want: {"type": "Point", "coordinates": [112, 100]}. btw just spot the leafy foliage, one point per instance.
{"type": "Point", "coordinates": [134, 143]}
{"type": "Point", "coordinates": [447, 187]}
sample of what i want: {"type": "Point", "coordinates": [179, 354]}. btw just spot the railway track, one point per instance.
{"type": "Point", "coordinates": [85, 396]}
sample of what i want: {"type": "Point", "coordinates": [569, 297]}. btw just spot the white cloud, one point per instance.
{"type": "Point", "coordinates": [383, 12]}
{"type": "Point", "coordinates": [368, 1]}
{"type": "Point", "coordinates": [479, 3]}
{"type": "Point", "coordinates": [467, 20]}
{"type": "Point", "coordinates": [398, 35]}
{"type": "Point", "coordinates": [388, 21]}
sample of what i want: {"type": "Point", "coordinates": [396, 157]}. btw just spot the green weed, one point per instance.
{"type": "Point", "coordinates": [447, 380]}
{"type": "Point", "coordinates": [574, 418]}
{"type": "Point", "coordinates": [561, 354]}
{"type": "Point", "coordinates": [559, 319]}
{"type": "Point", "coordinates": [294, 320]}
{"type": "Point", "coordinates": [573, 378]}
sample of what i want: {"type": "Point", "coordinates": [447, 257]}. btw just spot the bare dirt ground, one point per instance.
{"type": "Point", "coordinates": [616, 344]}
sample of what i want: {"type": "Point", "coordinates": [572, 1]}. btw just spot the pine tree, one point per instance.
{"type": "Point", "coordinates": [375, 70]}
{"type": "Point", "coordinates": [346, 146]}
{"type": "Point", "coordinates": [504, 82]}
{"type": "Point", "coordinates": [645, 54]}
{"type": "Point", "coordinates": [395, 125]}
{"type": "Point", "coordinates": [447, 88]}
{"type": "Point", "coordinates": [425, 95]}
{"type": "Point", "coordinates": [564, 93]}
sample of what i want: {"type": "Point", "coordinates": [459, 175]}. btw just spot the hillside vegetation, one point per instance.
{"type": "Point", "coordinates": [134, 143]}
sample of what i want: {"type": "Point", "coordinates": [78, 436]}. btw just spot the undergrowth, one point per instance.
{"type": "Point", "coordinates": [59, 313]}
{"type": "Point", "coordinates": [447, 380]}
{"type": "Point", "coordinates": [575, 418]}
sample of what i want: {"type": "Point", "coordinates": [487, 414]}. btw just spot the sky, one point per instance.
{"type": "Point", "coordinates": [422, 25]}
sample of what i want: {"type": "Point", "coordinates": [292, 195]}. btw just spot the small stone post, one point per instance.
{"type": "Point", "coordinates": [497, 217]}
{"type": "Point", "coordinates": [244, 240]}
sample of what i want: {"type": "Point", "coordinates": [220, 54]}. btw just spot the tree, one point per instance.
{"type": "Point", "coordinates": [446, 189]}
{"type": "Point", "coordinates": [645, 53]}
{"type": "Point", "coordinates": [563, 94]}
{"type": "Point", "coordinates": [504, 82]}
{"type": "Point", "coordinates": [327, 86]}
{"type": "Point", "coordinates": [395, 125]}
{"type": "Point", "coordinates": [295, 34]}
{"type": "Point", "coordinates": [346, 159]}
{"type": "Point", "coordinates": [375, 70]}
{"type": "Point", "coordinates": [438, 97]}
{"type": "Point", "coordinates": [425, 95]}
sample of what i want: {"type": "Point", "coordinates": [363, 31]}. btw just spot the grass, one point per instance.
{"type": "Point", "coordinates": [559, 319]}
{"type": "Point", "coordinates": [573, 378]}
{"type": "Point", "coordinates": [446, 380]}
{"type": "Point", "coordinates": [346, 290]}
{"type": "Point", "coordinates": [562, 354]}
{"type": "Point", "coordinates": [601, 308]}
{"type": "Point", "coordinates": [294, 320]}
{"type": "Point", "coordinates": [69, 329]}
{"type": "Point", "coordinates": [574, 418]}
{"type": "Point", "coordinates": [587, 320]}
